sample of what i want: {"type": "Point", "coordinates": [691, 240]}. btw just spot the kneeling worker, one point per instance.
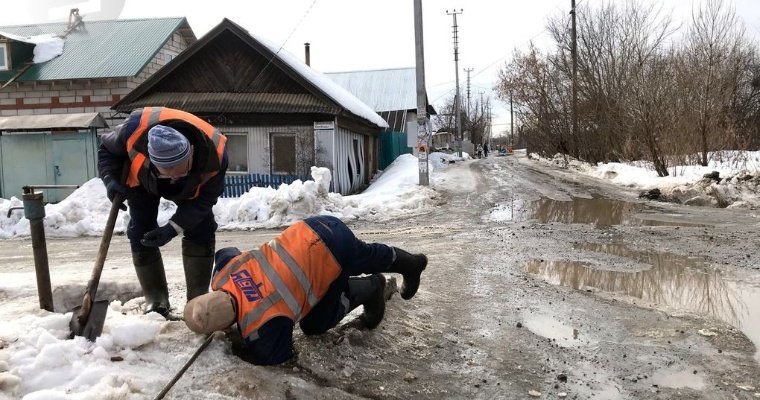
{"type": "Point", "coordinates": [307, 274]}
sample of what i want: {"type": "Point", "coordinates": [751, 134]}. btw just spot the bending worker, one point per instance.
{"type": "Point", "coordinates": [178, 156]}
{"type": "Point", "coordinates": [306, 275]}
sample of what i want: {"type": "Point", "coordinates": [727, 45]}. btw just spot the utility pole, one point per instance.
{"type": "Point", "coordinates": [574, 50]}
{"type": "Point", "coordinates": [423, 136]}
{"type": "Point", "coordinates": [468, 70]}
{"type": "Point", "coordinates": [483, 115]}
{"type": "Point", "coordinates": [454, 13]}
{"type": "Point", "coordinates": [511, 122]}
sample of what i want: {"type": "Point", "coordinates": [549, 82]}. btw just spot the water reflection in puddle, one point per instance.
{"type": "Point", "coordinates": [584, 211]}
{"type": "Point", "coordinates": [675, 281]}
{"type": "Point", "coordinates": [598, 211]}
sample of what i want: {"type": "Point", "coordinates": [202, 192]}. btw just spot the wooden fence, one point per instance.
{"type": "Point", "coordinates": [236, 185]}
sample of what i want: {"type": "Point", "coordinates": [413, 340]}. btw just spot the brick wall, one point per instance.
{"type": "Point", "coordinates": [81, 95]}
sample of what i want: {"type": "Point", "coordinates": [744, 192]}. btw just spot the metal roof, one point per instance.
{"type": "Point", "coordinates": [102, 49]}
{"type": "Point", "coordinates": [52, 121]}
{"type": "Point", "coordinates": [322, 94]}
{"type": "Point", "coordinates": [383, 90]}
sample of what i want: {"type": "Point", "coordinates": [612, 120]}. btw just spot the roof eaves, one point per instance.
{"type": "Point", "coordinates": [182, 23]}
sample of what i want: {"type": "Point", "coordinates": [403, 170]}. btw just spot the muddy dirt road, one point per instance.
{"type": "Point", "coordinates": [541, 284]}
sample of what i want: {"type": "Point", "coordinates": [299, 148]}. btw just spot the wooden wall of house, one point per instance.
{"type": "Point", "coordinates": [258, 147]}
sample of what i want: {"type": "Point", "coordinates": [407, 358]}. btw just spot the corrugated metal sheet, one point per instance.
{"type": "Point", "coordinates": [103, 49]}
{"type": "Point", "coordinates": [236, 102]}
{"type": "Point", "coordinates": [55, 121]}
{"type": "Point", "coordinates": [383, 90]}
{"type": "Point", "coordinates": [344, 181]}
{"type": "Point", "coordinates": [396, 120]}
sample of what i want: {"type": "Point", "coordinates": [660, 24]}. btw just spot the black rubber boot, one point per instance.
{"type": "Point", "coordinates": [411, 267]}
{"type": "Point", "coordinates": [198, 261]}
{"type": "Point", "coordinates": [368, 291]}
{"type": "Point", "coordinates": [150, 272]}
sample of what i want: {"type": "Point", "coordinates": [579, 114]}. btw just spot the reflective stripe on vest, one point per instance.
{"type": "Point", "coordinates": [285, 277]}
{"type": "Point", "coordinates": [150, 116]}
{"type": "Point", "coordinates": [296, 270]}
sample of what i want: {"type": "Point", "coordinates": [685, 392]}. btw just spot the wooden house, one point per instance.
{"type": "Point", "coordinates": [280, 116]}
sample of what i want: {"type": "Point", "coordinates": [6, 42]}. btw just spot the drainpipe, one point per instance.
{"type": "Point", "coordinates": [307, 50]}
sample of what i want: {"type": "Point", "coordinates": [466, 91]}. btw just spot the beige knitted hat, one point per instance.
{"type": "Point", "coordinates": [210, 312]}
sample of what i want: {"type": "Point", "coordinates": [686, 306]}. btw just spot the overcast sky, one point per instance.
{"type": "Point", "coordinates": [348, 35]}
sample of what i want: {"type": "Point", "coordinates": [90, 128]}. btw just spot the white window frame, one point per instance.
{"type": "Point", "coordinates": [230, 169]}
{"type": "Point", "coordinates": [5, 57]}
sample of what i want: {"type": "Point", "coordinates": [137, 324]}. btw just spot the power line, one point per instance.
{"type": "Point", "coordinates": [559, 6]}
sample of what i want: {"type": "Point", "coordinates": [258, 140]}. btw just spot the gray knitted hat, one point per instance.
{"type": "Point", "coordinates": [167, 147]}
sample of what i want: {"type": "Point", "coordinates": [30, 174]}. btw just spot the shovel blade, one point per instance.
{"type": "Point", "coordinates": [93, 323]}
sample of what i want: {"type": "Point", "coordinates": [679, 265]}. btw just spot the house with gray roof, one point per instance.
{"type": "Point", "coordinates": [392, 93]}
{"type": "Point", "coordinates": [100, 63]}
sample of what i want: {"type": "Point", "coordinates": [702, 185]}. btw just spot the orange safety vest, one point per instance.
{"type": "Point", "coordinates": [140, 122]}
{"type": "Point", "coordinates": [285, 277]}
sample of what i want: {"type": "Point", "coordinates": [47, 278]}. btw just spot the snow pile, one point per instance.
{"type": "Point", "coordinates": [738, 184]}
{"type": "Point", "coordinates": [38, 361]}
{"type": "Point", "coordinates": [46, 46]}
{"type": "Point", "coordinates": [394, 193]}
{"type": "Point", "coordinates": [83, 213]}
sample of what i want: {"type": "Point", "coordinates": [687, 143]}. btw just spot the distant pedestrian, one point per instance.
{"type": "Point", "coordinates": [485, 149]}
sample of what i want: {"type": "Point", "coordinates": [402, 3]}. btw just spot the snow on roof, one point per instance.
{"type": "Point", "coordinates": [46, 46]}
{"type": "Point", "coordinates": [330, 88]}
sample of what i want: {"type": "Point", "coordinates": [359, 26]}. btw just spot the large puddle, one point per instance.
{"type": "Point", "coordinates": [677, 282]}
{"type": "Point", "coordinates": [578, 210]}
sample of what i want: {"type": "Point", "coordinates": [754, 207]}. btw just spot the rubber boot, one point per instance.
{"type": "Point", "coordinates": [198, 262]}
{"type": "Point", "coordinates": [150, 272]}
{"type": "Point", "coordinates": [368, 291]}
{"type": "Point", "coordinates": [410, 266]}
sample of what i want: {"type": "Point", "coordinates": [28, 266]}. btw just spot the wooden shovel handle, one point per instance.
{"type": "Point", "coordinates": [100, 260]}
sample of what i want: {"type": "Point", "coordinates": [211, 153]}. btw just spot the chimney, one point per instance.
{"type": "Point", "coordinates": [308, 53]}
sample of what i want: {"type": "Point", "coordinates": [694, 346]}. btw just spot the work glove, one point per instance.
{"type": "Point", "coordinates": [112, 187]}
{"type": "Point", "coordinates": [159, 237]}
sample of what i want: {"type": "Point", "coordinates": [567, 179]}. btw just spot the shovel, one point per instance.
{"type": "Point", "coordinates": [88, 319]}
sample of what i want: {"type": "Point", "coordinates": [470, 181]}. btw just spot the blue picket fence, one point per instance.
{"type": "Point", "coordinates": [236, 185]}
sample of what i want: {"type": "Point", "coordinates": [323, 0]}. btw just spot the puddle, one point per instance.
{"type": "Point", "coordinates": [603, 212]}
{"type": "Point", "coordinates": [679, 379]}
{"type": "Point", "coordinates": [682, 283]}
{"type": "Point", "coordinates": [598, 211]}
{"type": "Point", "coordinates": [551, 328]}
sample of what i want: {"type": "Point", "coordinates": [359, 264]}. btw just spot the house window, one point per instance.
{"type": "Point", "coordinates": [4, 57]}
{"type": "Point", "coordinates": [237, 152]}
{"type": "Point", "coordinates": [283, 147]}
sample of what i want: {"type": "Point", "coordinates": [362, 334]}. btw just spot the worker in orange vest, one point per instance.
{"type": "Point", "coordinates": [306, 275]}
{"type": "Point", "coordinates": [175, 155]}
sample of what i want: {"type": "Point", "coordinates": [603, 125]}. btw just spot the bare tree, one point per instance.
{"type": "Point", "coordinates": [712, 50]}
{"type": "Point", "coordinates": [641, 96]}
